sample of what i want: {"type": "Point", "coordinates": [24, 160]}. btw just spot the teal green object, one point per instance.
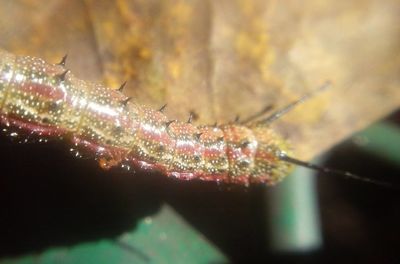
{"type": "Point", "coordinates": [162, 238]}
{"type": "Point", "coordinates": [382, 140]}
{"type": "Point", "coordinates": [293, 216]}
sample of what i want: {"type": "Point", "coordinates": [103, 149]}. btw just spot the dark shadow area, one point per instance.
{"type": "Point", "coordinates": [50, 198]}
{"type": "Point", "coordinates": [230, 217]}
{"type": "Point", "coordinates": [360, 220]}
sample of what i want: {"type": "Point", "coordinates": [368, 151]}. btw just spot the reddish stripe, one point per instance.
{"type": "Point", "coordinates": [38, 129]}
{"type": "Point", "coordinates": [44, 90]}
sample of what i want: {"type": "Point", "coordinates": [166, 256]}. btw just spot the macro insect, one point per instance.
{"type": "Point", "coordinates": [47, 100]}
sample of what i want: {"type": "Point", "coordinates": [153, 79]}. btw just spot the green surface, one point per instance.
{"type": "Point", "coordinates": [293, 219]}
{"type": "Point", "coordinates": [382, 140]}
{"type": "Point", "coordinates": [162, 238]}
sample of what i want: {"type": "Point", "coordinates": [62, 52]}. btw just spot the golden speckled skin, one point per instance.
{"type": "Point", "coordinates": [38, 98]}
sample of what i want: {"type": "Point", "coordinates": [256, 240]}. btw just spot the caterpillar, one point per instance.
{"type": "Point", "coordinates": [47, 100]}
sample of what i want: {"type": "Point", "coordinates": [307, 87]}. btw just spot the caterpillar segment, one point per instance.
{"type": "Point", "coordinates": [49, 101]}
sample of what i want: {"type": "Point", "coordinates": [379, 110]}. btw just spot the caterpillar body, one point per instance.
{"type": "Point", "coordinates": [47, 100]}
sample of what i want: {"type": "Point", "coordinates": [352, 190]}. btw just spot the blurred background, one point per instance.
{"type": "Point", "coordinates": [217, 59]}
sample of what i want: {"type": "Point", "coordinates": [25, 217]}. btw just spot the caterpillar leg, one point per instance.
{"type": "Point", "coordinates": [107, 163]}
{"type": "Point", "coordinates": [107, 157]}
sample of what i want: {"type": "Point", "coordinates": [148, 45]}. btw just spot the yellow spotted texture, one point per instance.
{"type": "Point", "coordinates": [47, 100]}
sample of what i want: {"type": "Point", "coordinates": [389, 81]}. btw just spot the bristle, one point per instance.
{"type": "Point", "coordinates": [167, 124]}
{"type": "Point", "coordinates": [63, 60]}
{"type": "Point", "coordinates": [276, 115]}
{"type": "Point", "coordinates": [62, 76]}
{"type": "Point", "coordinates": [162, 108]}
{"type": "Point", "coordinates": [121, 88]}
{"type": "Point", "coordinates": [252, 118]}
{"type": "Point", "coordinates": [325, 170]}
{"type": "Point", "coordinates": [190, 119]}
{"type": "Point", "coordinates": [125, 102]}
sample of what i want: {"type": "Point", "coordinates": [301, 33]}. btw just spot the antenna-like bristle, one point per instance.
{"type": "Point", "coordinates": [345, 174]}
{"type": "Point", "coordinates": [274, 116]}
